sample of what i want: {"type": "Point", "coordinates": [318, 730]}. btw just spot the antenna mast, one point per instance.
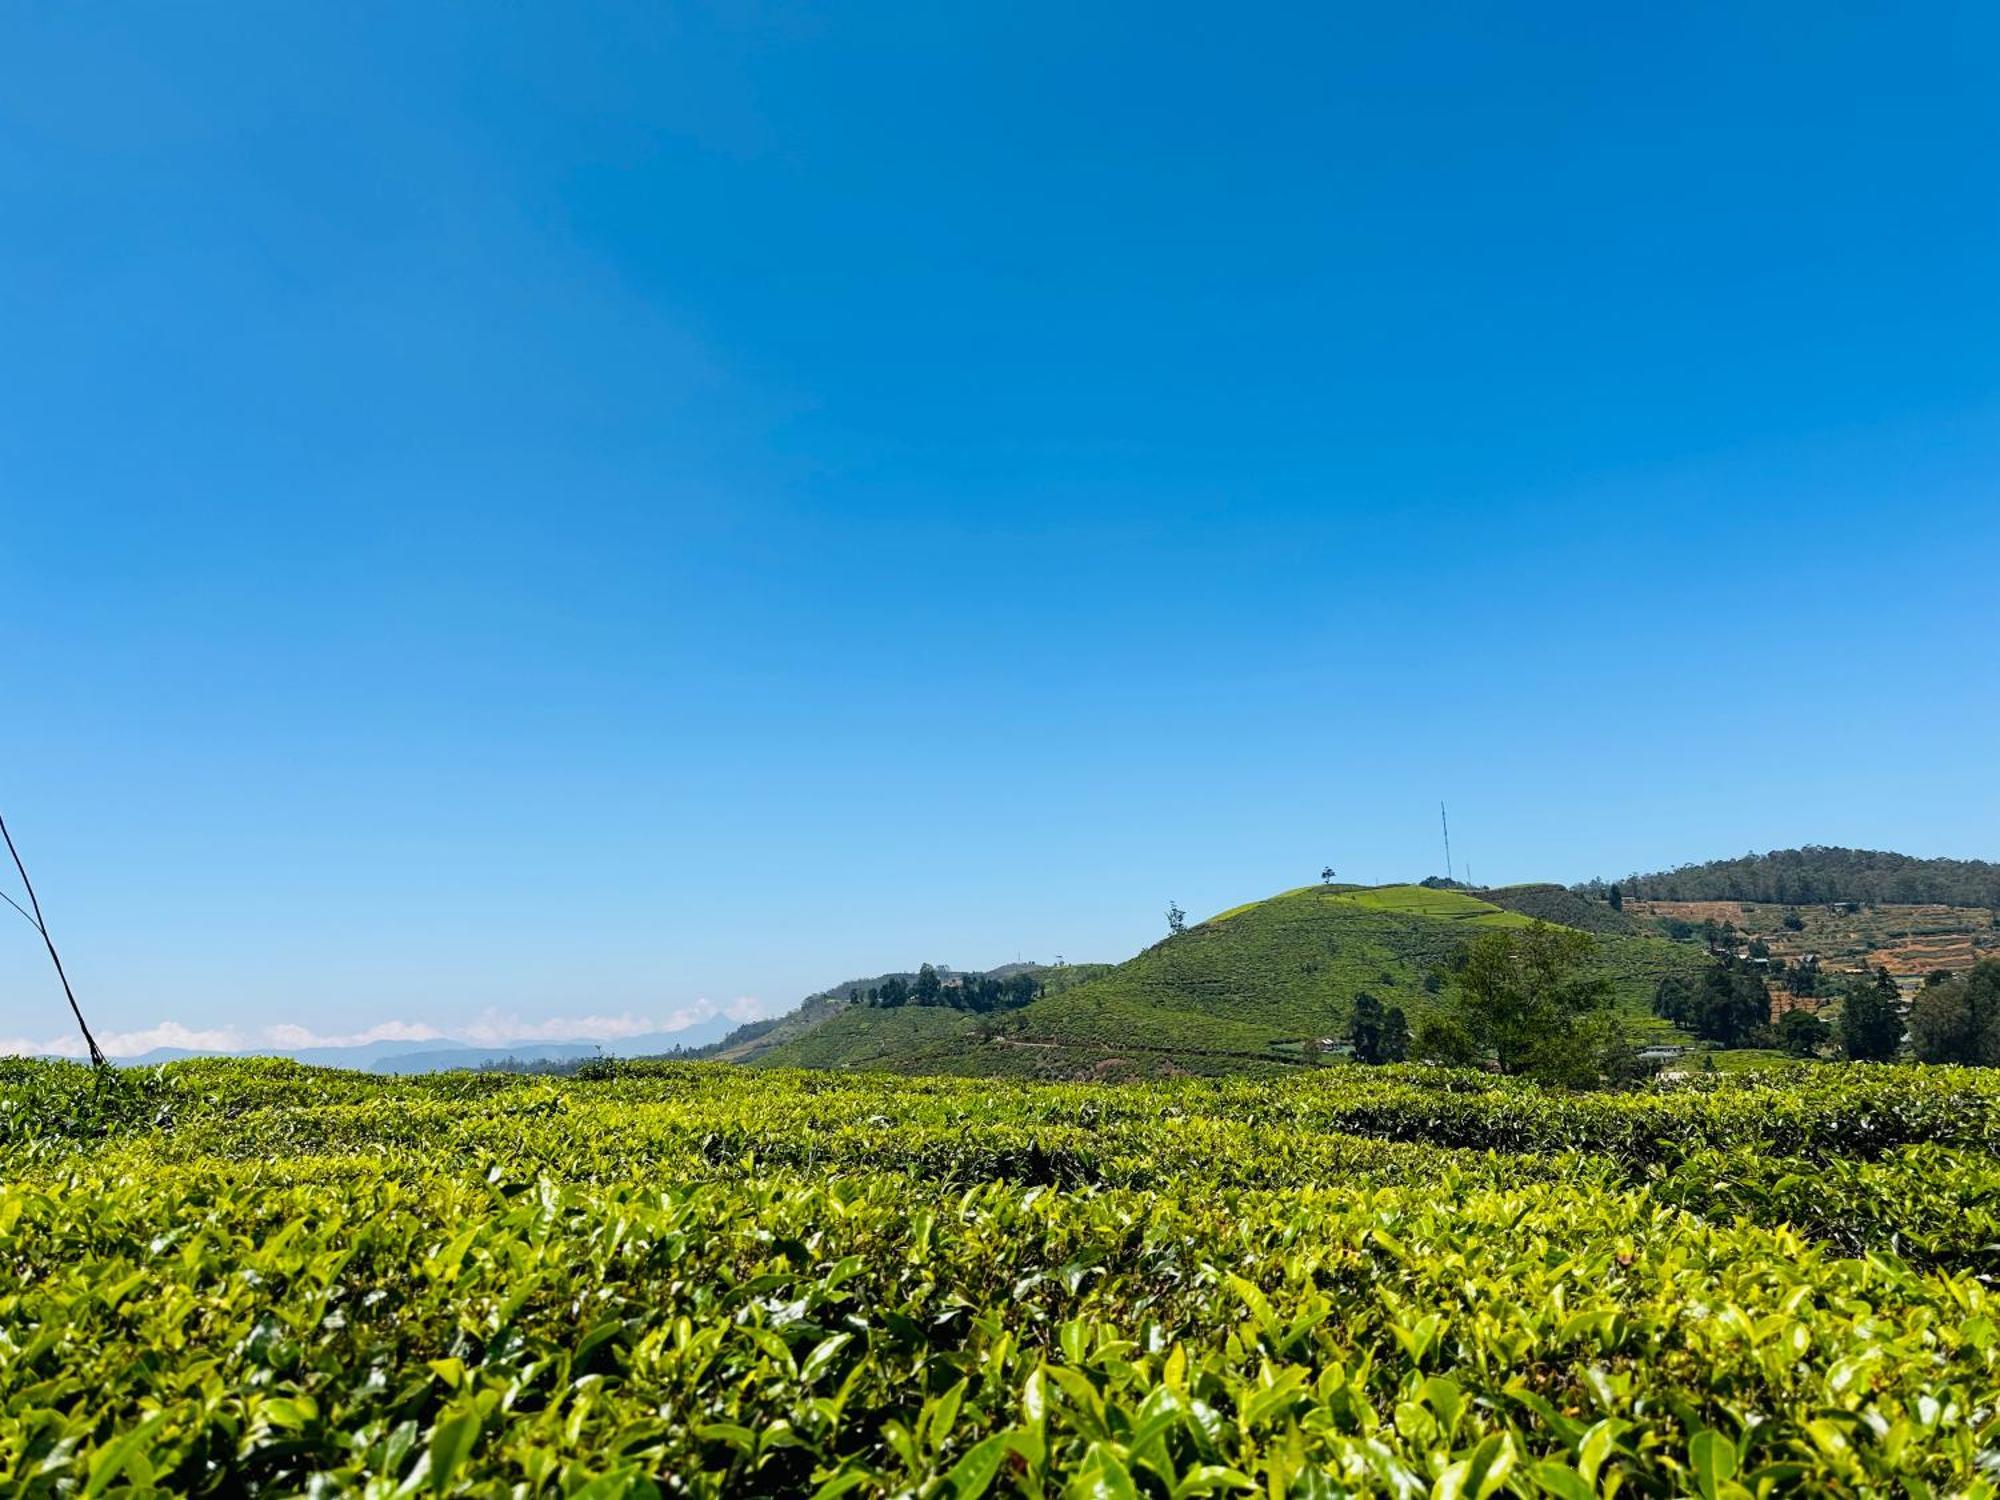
{"type": "Point", "coordinates": [33, 912]}
{"type": "Point", "coordinates": [1445, 823]}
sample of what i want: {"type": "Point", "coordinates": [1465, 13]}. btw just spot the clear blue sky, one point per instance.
{"type": "Point", "coordinates": [521, 514]}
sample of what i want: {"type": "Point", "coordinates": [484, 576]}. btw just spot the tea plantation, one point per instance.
{"type": "Point", "coordinates": [1236, 993]}
{"type": "Point", "coordinates": [229, 1278]}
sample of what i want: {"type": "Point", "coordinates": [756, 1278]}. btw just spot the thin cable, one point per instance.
{"type": "Point", "coordinates": [97, 1059]}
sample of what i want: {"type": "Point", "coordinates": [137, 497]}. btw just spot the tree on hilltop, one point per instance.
{"type": "Point", "coordinates": [1817, 875]}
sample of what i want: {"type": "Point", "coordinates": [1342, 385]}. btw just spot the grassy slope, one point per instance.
{"type": "Point", "coordinates": [1554, 903]}
{"type": "Point", "coordinates": [861, 1037]}
{"type": "Point", "coordinates": [1220, 996]}
{"type": "Point", "coordinates": [864, 1037]}
{"type": "Point", "coordinates": [747, 1042]}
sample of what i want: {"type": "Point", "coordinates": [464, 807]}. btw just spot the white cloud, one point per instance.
{"type": "Point", "coordinates": [290, 1036]}
{"type": "Point", "coordinates": [132, 1043]}
{"type": "Point", "coordinates": [172, 1034]}
{"type": "Point", "coordinates": [491, 1028]}
{"type": "Point", "coordinates": [495, 1026]}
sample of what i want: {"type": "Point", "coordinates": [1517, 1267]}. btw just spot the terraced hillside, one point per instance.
{"type": "Point", "coordinates": [1910, 941]}
{"type": "Point", "coordinates": [1240, 992]}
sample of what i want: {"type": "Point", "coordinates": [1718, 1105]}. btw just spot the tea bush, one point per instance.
{"type": "Point", "coordinates": [259, 1278]}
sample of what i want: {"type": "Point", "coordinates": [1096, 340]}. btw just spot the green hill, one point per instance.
{"type": "Point", "coordinates": [751, 1041]}
{"type": "Point", "coordinates": [1822, 873]}
{"type": "Point", "coordinates": [1555, 903]}
{"type": "Point", "coordinates": [1239, 992]}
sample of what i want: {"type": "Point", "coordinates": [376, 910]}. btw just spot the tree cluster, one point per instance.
{"type": "Point", "coordinates": [1817, 875]}
{"type": "Point", "coordinates": [1957, 1019]}
{"type": "Point", "coordinates": [1871, 1018]}
{"type": "Point", "coordinates": [1801, 978]}
{"type": "Point", "coordinates": [1802, 1033]}
{"type": "Point", "coordinates": [1533, 999]}
{"type": "Point", "coordinates": [1380, 1035]}
{"type": "Point", "coordinates": [972, 992]}
{"type": "Point", "coordinates": [1728, 1004]}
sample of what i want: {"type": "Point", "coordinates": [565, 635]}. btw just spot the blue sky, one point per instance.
{"type": "Point", "coordinates": [582, 517]}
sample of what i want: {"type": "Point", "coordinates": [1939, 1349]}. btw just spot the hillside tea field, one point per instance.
{"type": "Point", "coordinates": [231, 1278]}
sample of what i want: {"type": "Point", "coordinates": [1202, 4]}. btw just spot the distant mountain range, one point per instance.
{"type": "Point", "coordinates": [440, 1053]}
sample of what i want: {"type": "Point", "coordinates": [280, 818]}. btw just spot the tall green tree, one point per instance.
{"type": "Point", "coordinates": [1365, 1028]}
{"type": "Point", "coordinates": [1871, 1029]}
{"type": "Point", "coordinates": [1725, 1005]}
{"type": "Point", "coordinates": [1442, 1039]}
{"type": "Point", "coordinates": [1958, 1020]}
{"type": "Point", "coordinates": [1395, 1035]}
{"type": "Point", "coordinates": [1802, 1033]}
{"type": "Point", "coordinates": [1522, 991]}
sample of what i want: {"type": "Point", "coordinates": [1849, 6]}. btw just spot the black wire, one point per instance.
{"type": "Point", "coordinates": [97, 1059]}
